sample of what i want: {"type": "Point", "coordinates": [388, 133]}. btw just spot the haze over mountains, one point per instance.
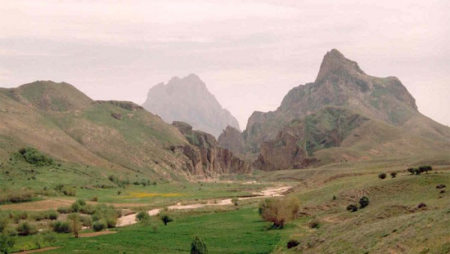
{"type": "Point", "coordinates": [344, 116]}
{"type": "Point", "coordinates": [188, 100]}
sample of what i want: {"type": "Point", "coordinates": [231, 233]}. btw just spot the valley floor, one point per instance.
{"type": "Point", "coordinates": [391, 223]}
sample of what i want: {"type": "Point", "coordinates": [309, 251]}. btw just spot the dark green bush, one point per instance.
{"type": "Point", "coordinates": [35, 157]}
{"type": "Point", "coordinates": [352, 208]}
{"type": "Point", "coordinates": [198, 246]}
{"type": "Point", "coordinates": [99, 225]}
{"type": "Point", "coordinates": [63, 210]}
{"type": "Point", "coordinates": [393, 174]}
{"type": "Point", "coordinates": [411, 170]}
{"type": "Point", "coordinates": [382, 176]}
{"type": "Point", "coordinates": [142, 216]}
{"type": "Point", "coordinates": [363, 202]}
{"type": "Point", "coordinates": [16, 197]}
{"type": "Point", "coordinates": [26, 228]}
{"type": "Point", "coordinates": [6, 243]}
{"type": "Point", "coordinates": [62, 227]}
{"type": "Point", "coordinates": [292, 243]}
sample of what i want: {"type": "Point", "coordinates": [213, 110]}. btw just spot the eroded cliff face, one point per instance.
{"type": "Point", "coordinates": [206, 157]}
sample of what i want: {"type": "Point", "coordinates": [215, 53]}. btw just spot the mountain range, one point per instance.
{"type": "Point", "coordinates": [344, 116]}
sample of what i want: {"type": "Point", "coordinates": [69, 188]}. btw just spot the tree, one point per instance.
{"type": "Point", "coordinates": [75, 221]}
{"type": "Point", "coordinates": [166, 219]}
{"type": "Point", "coordinates": [6, 243]}
{"type": "Point", "coordinates": [364, 201]}
{"type": "Point", "coordinates": [279, 211]}
{"type": "Point", "coordinates": [198, 246]}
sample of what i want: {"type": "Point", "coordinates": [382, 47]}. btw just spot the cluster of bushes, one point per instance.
{"type": "Point", "coordinates": [279, 211]}
{"type": "Point", "coordinates": [123, 183]}
{"type": "Point", "coordinates": [66, 190]}
{"type": "Point", "coordinates": [420, 170]}
{"type": "Point", "coordinates": [35, 157]}
{"type": "Point", "coordinates": [363, 202]}
{"type": "Point", "coordinates": [16, 197]}
{"type": "Point", "coordinates": [384, 175]}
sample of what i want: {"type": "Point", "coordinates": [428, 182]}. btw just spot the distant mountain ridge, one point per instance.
{"type": "Point", "coordinates": [188, 100]}
{"type": "Point", "coordinates": [345, 115]}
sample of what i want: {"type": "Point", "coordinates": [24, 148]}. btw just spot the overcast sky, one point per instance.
{"type": "Point", "coordinates": [249, 53]}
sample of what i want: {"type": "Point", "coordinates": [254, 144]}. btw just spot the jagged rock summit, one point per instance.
{"type": "Point", "coordinates": [345, 115]}
{"type": "Point", "coordinates": [188, 100]}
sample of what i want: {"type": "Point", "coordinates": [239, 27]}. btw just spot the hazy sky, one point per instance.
{"type": "Point", "coordinates": [249, 53]}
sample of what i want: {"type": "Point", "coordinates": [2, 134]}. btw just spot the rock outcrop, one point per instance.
{"type": "Point", "coordinates": [189, 100]}
{"type": "Point", "coordinates": [231, 139]}
{"type": "Point", "coordinates": [206, 157]}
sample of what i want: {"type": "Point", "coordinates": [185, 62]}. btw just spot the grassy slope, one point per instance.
{"type": "Point", "coordinates": [65, 124]}
{"type": "Point", "coordinates": [390, 224]}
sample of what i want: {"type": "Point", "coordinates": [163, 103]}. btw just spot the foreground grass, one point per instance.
{"type": "Point", "coordinates": [236, 231]}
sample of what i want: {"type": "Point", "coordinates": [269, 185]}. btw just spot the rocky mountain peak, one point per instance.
{"type": "Point", "coordinates": [335, 63]}
{"type": "Point", "coordinates": [188, 99]}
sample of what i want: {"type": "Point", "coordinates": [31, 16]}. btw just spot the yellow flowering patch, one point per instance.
{"type": "Point", "coordinates": [151, 195]}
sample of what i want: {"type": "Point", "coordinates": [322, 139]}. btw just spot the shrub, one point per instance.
{"type": "Point", "coordinates": [166, 219]}
{"type": "Point", "coordinates": [81, 202]}
{"type": "Point", "coordinates": [198, 246]}
{"type": "Point", "coordinates": [107, 214]}
{"type": "Point", "coordinates": [363, 202]}
{"type": "Point", "coordinates": [382, 176]}
{"type": "Point", "coordinates": [35, 157]}
{"type": "Point", "coordinates": [16, 197]}
{"type": "Point", "coordinates": [52, 215]}
{"type": "Point", "coordinates": [418, 171]}
{"type": "Point", "coordinates": [142, 216]}
{"type": "Point", "coordinates": [86, 221]}
{"type": "Point", "coordinates": [69, 191]}
{"type": "Point", "coordinates": [314, 224]}
{"type": "Point", "coordinates": [411, 170]}
{"type": "Point", "coordinates": [75, 207]}
{"type": "Point", "coordinates": [6, 243]}
{"type": "Point", "coordinates": [279, 211]}
{"type": "Point", "coordinates": [25, 229]}
{"type": "Point", "coordinates": [94, 199]}
{"type": "Point", "coordinates": [393, 174]}
{"type": "Point", "coordinates": [63, 210]}
{"type": "Point", "coordinates": [99, 226]}
{"type": "Point", "coordinates": [292, 243]}
{"type": "Point", "coordinates": [87, 209]}
{"type": "Point", "coordinates": [235, 201]}
{"type": "Point", "coordinates": [4, 222]}
{"type": "Point", "coordinates": [440, 186]}
{"type": "Point", "coordinates": [61, 227]}
{"type": "Point", "coordinates": [425, 169]}
{"type": "Point", "coordinates": [49, 237]}
{"type": "Point", "coordinates": [352, 208]}
{"type": "Point", "coordinates": [422, 205]}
